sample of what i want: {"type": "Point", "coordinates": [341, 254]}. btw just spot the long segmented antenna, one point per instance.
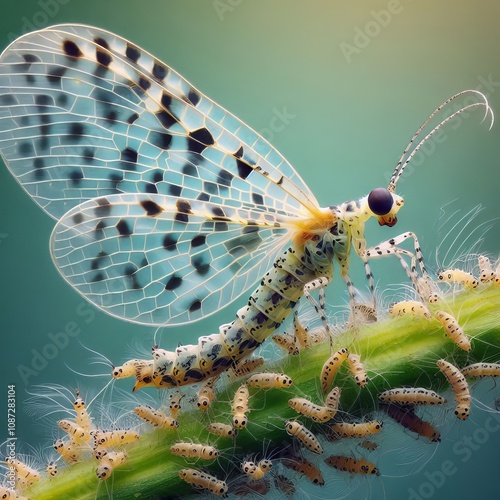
{"type": "Point", "coordinates": [402, 164]}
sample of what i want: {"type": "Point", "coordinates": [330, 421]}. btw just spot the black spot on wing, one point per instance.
{"type": "Point", "coordinates": [159, 71]}
{"type": "Point", "coordinates": [75, 177]}
{"type": "Point", "coordinates": [158, 176]}
{"type": "Point", "coordinates": [201, 264]}
{"type": "Point", "coordinates": [55, 73]}
{"type": "Point", "coordinates": [71, 49]}
{"type": "Point", "coordinates": [198, 240]}
{"type": "Point", "coordinates": [183, 210]}
{"type": "Point", "coordinates": [189, 169]}
{"type": "Point", "coordinates": [144, 83]}
{"type": "Point", "coordinates": [132, 53]}
{"type": "Point", "coordinates": [77, 218]}
{"type": "Point", "coordinates": [165, 118]}
{"type": "Point", "coordinates": [218, 214]}
{"type": "Point", "coordinates": [203, 197]}
{"type": "Point", "coordinates": [26, 149]}
{"type": "Point", "coordinates": [123, 228]}
{"type": "Point", "coordinates": [7, 100]}
{"type": "Point", "coordinates": [195, 306]}
{"type": "Point", "coordinates": [257, 199]}
{"type": "Point", "coordinates": [152, 208]}
{"type": "Point", "coordinates": [170, 242]}
{"type": "Point", "coordinates": [160, 140]}
{"type": "Point", "coordinates": [44, 100]}
{"type": "Point", "coordinates": [101, 42]}
{"type": "Point", "coordinates": [200, 139]}
{"type": "Point", "coordinates": [129, 158]}
{"type": "Point", "coordinates": [173, 282]}
{"type": "Point", "coordinates": [129, 272]}
{"type": "Point", "coordinates": [174, 189]}
{"type": "Point", "coordinates": [103, 57]}
{"type": "Point", "coordinates": [193, 97]}
{"type": "Point", "coordinates": [244, 170]}
{"type": "Point", "coordinates": [132, 118]}
{"type": "Point", "coordinates": [39, 165]}
{"type": "Point", "coordinates": [224, 178]}
{"type": "Point", "coordinates": [98, 260]}
{"type": "Point", "coordinates": [88, 155]}
{"type": "Point", "coordinates": [239, 154]}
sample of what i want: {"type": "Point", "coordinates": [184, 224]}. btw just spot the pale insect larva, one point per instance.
{"type": "Point", "coordinates": [305, 337]}
{"type": "Point", "coordinates": [287, 342]}
{"type": "Point", "coordinates": [240, 407]}
{"type": "Point", "coordinates": [480, 370]}
{"type": "Point", "coordinates": [70, 452]}
{"type": "Point", "coordinates": [409, 307]}
{"type": "Point", "coordinates": [175, 403]}
{"type": "Point", "coordinates": [109, 463]}
{"type": "Point", "coordinates": [202, 480]}
{"type": "Point", "coordinates": [368, 445]}
{"type": "Point", "coordinates": [458, 276]}
{"type": "Point", "coordinates": [356, 430]}
{"type": "Point", "coordinates": [427, 289]}
{"type": "Point", "coordinates": [108, 439]}
{"type": "Point", "coordinates": [411, 396]}
{"type": "Point", "coordinates": [407, 418]}
{"type": "Point", "coordinates": [352, 465]}
{"type": "Point", "coordinates": [246, 366]}
{"type": "Point", "coordinates": [222, 430]}
{"type": "Point", "coordinates": [257, 471]}
{"type": "Point", "coordinates": [194, 450]}
{"type": "Point", "coordinates": [304, 435]}
{"type": "Point", "coordinates": [206, 394]}
{"type": "Point", "coordinates": [357, 369]}
{"type": "Point", "coordinates": [82, 416]}
{"type": "Point", "coordinates": [310, 410]}
{"type": "Point", "coordinates": [270, 381]}
{"type": "Point", "coordinates": [459, 386]}
{"type": "Point", "coordinates": [453, 330]}
{"type": "Point", "coordinates": [331, 367]}
{"type": "Point", "coordinates": [156, 418]}
{"type": "Point", "coordinates": [76, 433]}
{"type": "Point", "coordinates": [234, 217]}
{"type": "Point", "coordinates": [333, 398]}
{"type": "Point", "coordinates": [486, 272]}
{"type": "Point", "coordinates": [303, 466]}
{"type": "Point", "coordinates": [26, 476]}
{"type": "Point", "coordinates": [51, 469]}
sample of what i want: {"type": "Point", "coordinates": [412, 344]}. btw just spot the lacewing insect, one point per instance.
{"type": "Point", "coordinates": [167, 206]}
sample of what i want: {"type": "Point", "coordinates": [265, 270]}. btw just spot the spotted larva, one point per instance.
{"type": "Point", "coordinates": [453, 330]}
{"type": "Point", "coordinates": [240, 407]}
{"type": "Point", "coordinates": [459, 386]}
{"type": "Point", "coordinates": [310, 410]}
{"type": "Point", "coordinates": [76, 433]}
{"type": "Point", "coordinates": [222, 430]}
{"type": "Point", "coordinates": [357, 369]}
{"type": "Point", "coordinates": [410, 308]}
{"type": "Point", "coordinates": [406, 417]}
{"type": "Point", "coordinates": [356, 430]}
{"type": "Point", "coordinates": [256, 471]}
{"type": "Point", "coordinates": [458, 276]}
{"type": "Point", "coordinates": [206, 394]}
{"type": "Point", "coordinates": [486, 273]}
{"type": "Point", "coordinates": [304, 435]}
{"type": "Point", "coordinates": [333, 398]}
{"type": "Point", "coordinates": [109, 462]}
{"type": "Point", "coordinates": [352, 465]}
{"type": "Point", "coordinates": [156, 418]}
{"type": "Point", "coordinates": [269, 381]}
{"type": "Point", "coordinates": [108, 439]}
{"type": "Point", "coordinates": [411, 396]}
{"type": "Point", "coordinates": [202, 480]}
{"type": "Point", "coordinates": [330, 368]}
{"type": "Point", "coordinates": [480, 370]}
{"type": "Point", "coordinates": [194, 450]}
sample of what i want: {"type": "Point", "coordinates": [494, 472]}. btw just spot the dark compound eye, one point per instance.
{"type": "Point", "coordinates": [380, 201]}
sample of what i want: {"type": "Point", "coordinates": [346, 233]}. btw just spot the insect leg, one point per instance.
{"type": "Point", "coordinates": [319, 305]}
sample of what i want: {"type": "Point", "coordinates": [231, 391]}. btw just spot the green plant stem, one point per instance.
{"type": "Point", "coordinates": [396, 352]}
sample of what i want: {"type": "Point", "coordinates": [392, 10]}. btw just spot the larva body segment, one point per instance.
{"type": "Point", "coordinates": [486, 272]}
{"type": "Point", "coordinates": [270, 381]}
{"type": "Point", "coordinates": [303, 466]}
{"type": "Point", "coordinates": [206, 394]}
{"type": "Point", "coordinates": [26, 476]}
{"type": "Point", "coordinates": [240, 407]}
{"type": "Point", "coordinates": [480, 370]}
{"type": "Point", "coordinates": [155, 417]}
{"type": "Point", "coordinates": [331, 367]}
{"type": "Point", "coordinates": [222, 430]}
{"type": "Point", "coordinates": [310, 410]}
{"type": "Point", "coordinates": [411, 396]}
{"type": "Point", "coordinates": [458, 276]}
{"type": "Point", "coordinates": [356, 430]}
{"type": "Point", "coordinates": [246, 366]}
{"type": "Point", "coordinates": [304, 435]}
{"type": "Point", "coordinates": [109, 462]}
{"type": "Point", "coordinates": [453, 330]}
{"type": "Point", "coordinates": [175, 403]}
{"type": "Point", "coordinates": [76, 433]}
{"type": "Point", "coordinates": [357, 369]}
{"type": "Point", "coordinates": [410, 308]}
{"type": "Point", "coordinates": [204, 481]}
{"type": "Point", "coordinates": [352, 465]}
{"type": "Point", "coordinates": [256, 471]}
{"type": "Point", "coordinates": [194, 450]}
{"type": "Point", "coordinates": [287, 342]}
{"type": "Point", "coordinates": [69, 451]}
{"type": "Point", "coordinates": [108, 439]}
{"type": "Point", "coordinates": [82, 416]}
{"type": "Point", "coordinates": [332, 399]}
{"type": "Point", "coordinates": [459, 386]}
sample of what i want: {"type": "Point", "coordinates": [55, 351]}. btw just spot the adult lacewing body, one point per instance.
{"type": "Point", "coordinates": [167, 206]}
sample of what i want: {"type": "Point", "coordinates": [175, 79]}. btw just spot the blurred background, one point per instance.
{"type": "Point", "coordinates": [339, 88]}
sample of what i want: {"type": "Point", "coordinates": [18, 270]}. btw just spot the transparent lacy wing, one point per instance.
{"type": "Point", "coordinates": [86, 116]}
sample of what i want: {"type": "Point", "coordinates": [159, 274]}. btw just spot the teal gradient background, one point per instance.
{"type": "Point", "coordinates": [347, 120]}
